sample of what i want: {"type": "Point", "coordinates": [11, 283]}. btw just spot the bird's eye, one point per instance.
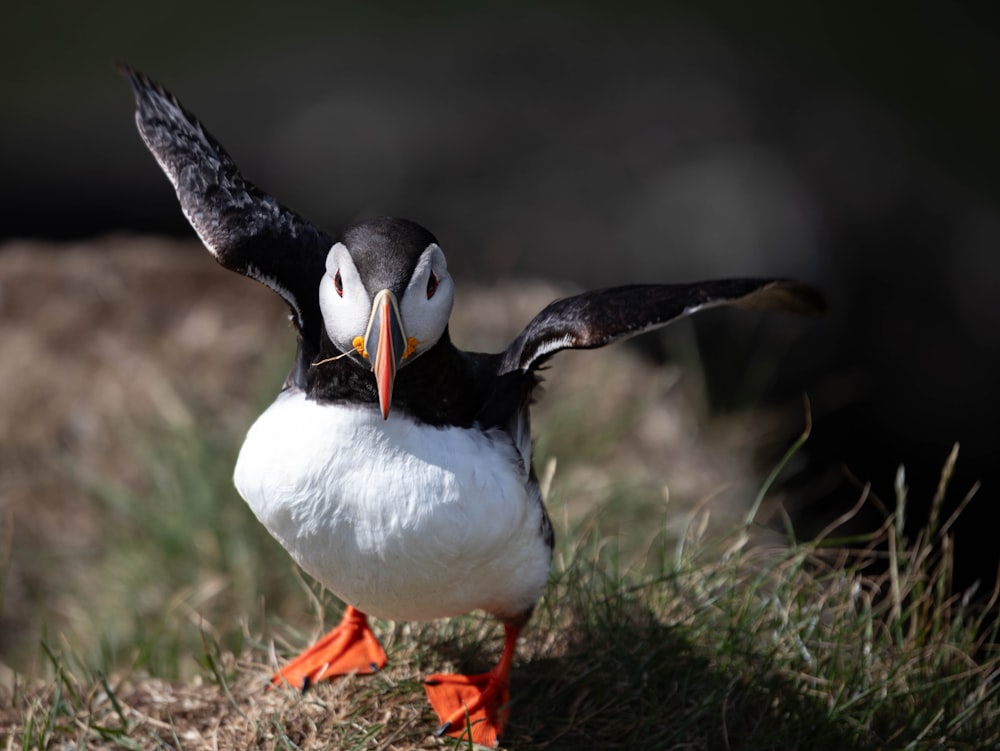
{"type": "Point", "coordinates": [432, 285]}
{"type": "Point", "coordinates": [338, 283]}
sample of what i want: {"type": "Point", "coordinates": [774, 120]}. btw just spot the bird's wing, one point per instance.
{"type": "Point", "coordinates": [245, 229]}
{"type": "Point", "coordinates": [594, 319]}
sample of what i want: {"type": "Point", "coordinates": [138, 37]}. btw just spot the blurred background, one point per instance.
{"type": "Point", "coordinates": [855, 146]}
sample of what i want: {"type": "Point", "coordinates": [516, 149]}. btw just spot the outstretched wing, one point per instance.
{"type": "Point", "coordinates": [245, 229]}
{"type": "Point", "coordinates": [594, 319]}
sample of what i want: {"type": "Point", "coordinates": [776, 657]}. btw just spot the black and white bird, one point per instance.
{"type": "Point", "coordinates": [393, 466]}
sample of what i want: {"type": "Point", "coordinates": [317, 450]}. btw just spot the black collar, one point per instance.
{"type": "Point", "coordinates": [443, 386]}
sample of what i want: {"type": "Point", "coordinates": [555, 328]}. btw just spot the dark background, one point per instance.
{"type": "Point", "coordinates": [856, 146]}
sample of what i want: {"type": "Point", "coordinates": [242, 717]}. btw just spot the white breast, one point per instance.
{"type": "Point", "coordinates": [402, 520]}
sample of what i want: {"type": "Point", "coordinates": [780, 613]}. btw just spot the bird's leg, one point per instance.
{"type": "Point", "coordinates": [350, 647]}
{"type": "Point", "coordinates": [477, 701]}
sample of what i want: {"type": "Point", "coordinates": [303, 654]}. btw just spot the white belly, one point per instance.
{"type": "Point", "coordinates": [401, 520]}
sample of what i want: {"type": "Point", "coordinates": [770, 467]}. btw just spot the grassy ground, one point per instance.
{"type": "Point", "coordinates": [165, 606]}
{"type": "Point", "coordinates": [702, 644]}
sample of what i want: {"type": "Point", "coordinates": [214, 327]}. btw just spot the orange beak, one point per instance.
{"type": "Point", "coordinates": [385, 342]}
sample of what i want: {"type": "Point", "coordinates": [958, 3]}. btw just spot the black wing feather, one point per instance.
{"type": "Point", "coordinates": [245, 229]}
{"type": "Point", "coordinates": [594, 319]}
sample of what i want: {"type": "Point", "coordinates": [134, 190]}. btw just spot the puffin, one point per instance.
{"type": "Point", "coordinates": [394, 467]}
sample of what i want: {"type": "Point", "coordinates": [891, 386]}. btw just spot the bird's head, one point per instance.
{"type": "Point", "coordinates": [386, 297]}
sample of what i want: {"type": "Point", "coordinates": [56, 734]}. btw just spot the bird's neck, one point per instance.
{"type": "Point", "coordinates": [439, 387]}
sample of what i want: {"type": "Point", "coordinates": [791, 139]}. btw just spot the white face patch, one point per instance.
{"type": "Point", "coordinates": [347, 306]}
{"type": "Point", "coordinates": [343, 299]}
{"type": "Point", "coordinates": [425, 318]}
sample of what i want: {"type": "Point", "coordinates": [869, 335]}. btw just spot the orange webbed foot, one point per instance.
{"type": "Point", "coordinates": [464, 703]}
{"type": "Point", "coordinates": [350, 647]}
{"type": "Point", "coordinates": [475, 704]}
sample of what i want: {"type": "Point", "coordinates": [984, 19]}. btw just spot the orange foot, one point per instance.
{"type": "Point", "coordinates": [350, 647]}
{"type": "Point", "coordinates": [476, 703]}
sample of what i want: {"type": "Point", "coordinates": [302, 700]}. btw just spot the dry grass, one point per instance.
{"type": "Point", "coordinates": [738, 647]}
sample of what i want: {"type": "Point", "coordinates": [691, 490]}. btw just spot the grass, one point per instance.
{"type": "Point", "coordinates": [704, 641]}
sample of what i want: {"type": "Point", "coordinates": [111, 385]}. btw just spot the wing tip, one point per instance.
{"type": "Point", "coordinates": [142, 85]}
{"type": "Point", "coordinates": [154, 100]}
{"type": "Point", "coordinates": [785, 296]}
